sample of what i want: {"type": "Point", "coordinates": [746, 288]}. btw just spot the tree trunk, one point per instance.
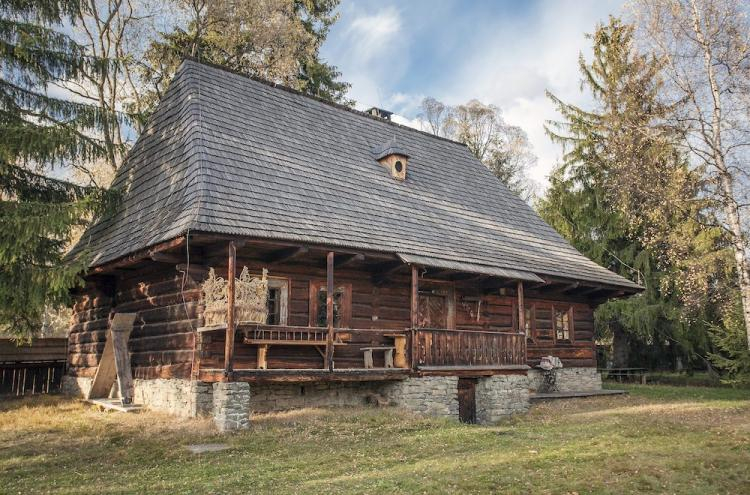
{"type": "Point", "coordinates": [620, 347]}
{"type": "Point", "coordinates": [726, 182]}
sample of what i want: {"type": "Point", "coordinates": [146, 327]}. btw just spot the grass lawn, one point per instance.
{"type": "Point", "coordinates": [658, 439]}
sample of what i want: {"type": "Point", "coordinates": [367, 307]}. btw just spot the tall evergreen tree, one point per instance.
{"type": "Point", "coordinates": [39, 132]}
{"type": "Point", "coordinates": [586, 205]}
{"type": "Point", "coordinates": [278, 40]}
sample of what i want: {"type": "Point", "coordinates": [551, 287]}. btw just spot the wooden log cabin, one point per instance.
{"type": "Point", "coordinates": [398, 266]}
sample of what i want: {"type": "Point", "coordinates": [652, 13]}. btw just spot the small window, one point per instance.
{"type": "Point", "coordinates": [274, 308]}
{"type": "Point", "coordinates": [562, 324]}
{"type": "Point", "coordinates": [277, 303]}
{"type": "Point", "coordinates": [399, 166]}
{"type": "Point", "coordinates": [342, 305]}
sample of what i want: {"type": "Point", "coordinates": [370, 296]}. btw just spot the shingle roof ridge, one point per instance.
{"type": "Point", "coordinates": [297, 92]}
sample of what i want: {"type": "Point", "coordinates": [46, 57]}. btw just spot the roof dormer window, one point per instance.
{"type": "Point", "coordinates": [392, 156]}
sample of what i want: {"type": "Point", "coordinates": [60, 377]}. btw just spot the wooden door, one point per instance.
{"type": "Point", "coordinates": [433, 311]}
{"type": "Point", "coordinates": [467, 402]}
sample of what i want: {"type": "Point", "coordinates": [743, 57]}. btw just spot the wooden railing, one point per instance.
{"type": "Point", "coordinates": [436, 347]}
{"type": "Point", "coordinates": [286, 334]}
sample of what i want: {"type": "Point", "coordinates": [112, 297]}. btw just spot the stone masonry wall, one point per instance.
{"type": "Point", "coordinates": [180, 397]}
{"type": "Point", "coordinates": [185, 398]}
{"type": "Point", "coordinates": [432, 396]}
{"type": "Point", "coordinates": [280, 397]}
{"type": "Point", "coordinates": [231, 405]}
{"type": "Point", "coordinates": [570, 379]}
{"type": "Point", "coordinates": [501, 396]}
{"type": "Point", "coordinates": [75, 386]}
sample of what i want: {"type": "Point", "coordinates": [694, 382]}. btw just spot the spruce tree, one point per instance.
{"type": "Point", "coordinates": [40, 135]}
{"type": "Point", "coordinates": [588, 203]}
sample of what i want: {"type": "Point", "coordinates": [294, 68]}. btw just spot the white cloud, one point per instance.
{"type": "Point", "coordinates": [509, 61]}
{"type": "Point", "coordinates": [372, 33]}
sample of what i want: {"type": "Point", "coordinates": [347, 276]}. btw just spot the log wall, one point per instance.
{"type": "Point", "coordinates": [163, 340]}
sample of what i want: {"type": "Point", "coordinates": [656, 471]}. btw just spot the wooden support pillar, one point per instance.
{"type": "Point", "coordinates": [414, 313]}
{"type": "Point", "coordinates": [262, 357]}
{"type": "Point", "coordinates": [229, 343]}
{"type": "Point", "coordinates": [414, 296]}
{"type": "Point", "coordinates": [521, 309]}
{"type": "Point", "coordinates": [329, 311]}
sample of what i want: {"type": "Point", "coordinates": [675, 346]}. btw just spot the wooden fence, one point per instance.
{"type": "Point", "coordinates": [32, 369]}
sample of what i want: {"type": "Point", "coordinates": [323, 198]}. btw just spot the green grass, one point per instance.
{"type": "Point", "coordinates": [656, 440]}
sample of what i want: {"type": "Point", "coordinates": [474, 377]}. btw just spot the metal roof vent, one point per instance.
{"type": "Point", "coordinates": [380, 113]}
{"type": "Point", "coordinates": [393, 157]}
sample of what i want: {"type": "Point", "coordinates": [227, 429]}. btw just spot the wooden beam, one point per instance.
{"type": "Point", "coordinates": [589, 291]}
{"type": "Point", "coordinates": [496, 283]}
{"type": "Point", "coordinates": [347, 259]}
{"type": "Point", "coordinates": [465, 277]}
{"type": "Point", "coordinates": [138, 256]}
{"type": "Point", "coordinates": [329, 310]}
{"type": "Point", "coordinates": [229, 343]}
{"type": "Point", "coordinates": [194, 270]}
{"type": "Point", "coordinates": [382, 271]}
{"type": "Point", "coordinates": [570, 287]}
{"type": "Point", "coordinates": [286, 254]}
{"type": "Point", "coordinates": [172, 259]}
{"type": "Point", "coordinates": [521, 308]}
{"type": "Point", "coordinates": [540, 284]}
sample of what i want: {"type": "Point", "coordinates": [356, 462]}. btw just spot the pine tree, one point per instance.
{"type": "Point", "coordinates": [39, 133]}
{"type": "Point", "coordinates": [590, 204]}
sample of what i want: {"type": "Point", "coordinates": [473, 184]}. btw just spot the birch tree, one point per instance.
{"type": "Point", "coordinates": [705, 46]}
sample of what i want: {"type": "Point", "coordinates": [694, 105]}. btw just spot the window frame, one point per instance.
{"type": "Point", "coordinates": [571, 328]}
{"type": "Point", "coordinates": [345, 319]}
{"type": "Point", "coordinates": [282, 284]}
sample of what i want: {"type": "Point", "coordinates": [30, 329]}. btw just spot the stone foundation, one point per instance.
{"type": "Point", "coordinates": [180, 397]}
{"type": "Point", "coordinates": [432, 395]}
{"type": "Point", "coordinates": [282, 397]}
{"type": "Point", "coordinates": [231, 405]}
{"type": "Point", "coordinates": [75, 386]}
{"type": "Point", "coordinates": [185, 398]}
{"type": "Point", "coordinates": [569, 379]}
{"type": "Point", "coordinates": [501, 396]}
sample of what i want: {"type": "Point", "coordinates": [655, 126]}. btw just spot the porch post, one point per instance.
{"type": "Point", "coordinates": [521, 322]}
{"type": "Point", "coordinates": [229, 343]}
{"type": "Point", "coordinates": [329, 310]}
{"type": "Point", "coordinates": [521, 309]}
{"type": "Point", "coordinates": [414, 313]}
{"type": "Point", "coordinates": [414, 296]}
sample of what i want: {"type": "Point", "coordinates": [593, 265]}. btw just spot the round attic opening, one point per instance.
{"type": "Point", "coordinates": [398, 166]}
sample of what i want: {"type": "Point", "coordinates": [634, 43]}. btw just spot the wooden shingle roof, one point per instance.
{"type": "Point", "coordinates": [227, 154]}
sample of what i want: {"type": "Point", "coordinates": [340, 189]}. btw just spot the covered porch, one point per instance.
{"type": "Point", "coordinates": [331, 350]}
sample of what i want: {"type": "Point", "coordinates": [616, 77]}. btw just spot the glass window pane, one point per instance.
{"type": "Point", "coordinates": [321, 317]}
{"type": "Point", "coordinates": [274, 307]}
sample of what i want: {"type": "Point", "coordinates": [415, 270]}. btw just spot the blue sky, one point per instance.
{"type": "Point", "coordinates": [508, 53]}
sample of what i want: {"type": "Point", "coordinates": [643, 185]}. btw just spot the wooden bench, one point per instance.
{"type": "Point", "coordinates": [387, 352]}
{"type": "Point", "coordinates": [625, 374]}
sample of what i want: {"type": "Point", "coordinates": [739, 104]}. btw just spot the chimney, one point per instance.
{"type": "Point", "coordinates": [380, 113]}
